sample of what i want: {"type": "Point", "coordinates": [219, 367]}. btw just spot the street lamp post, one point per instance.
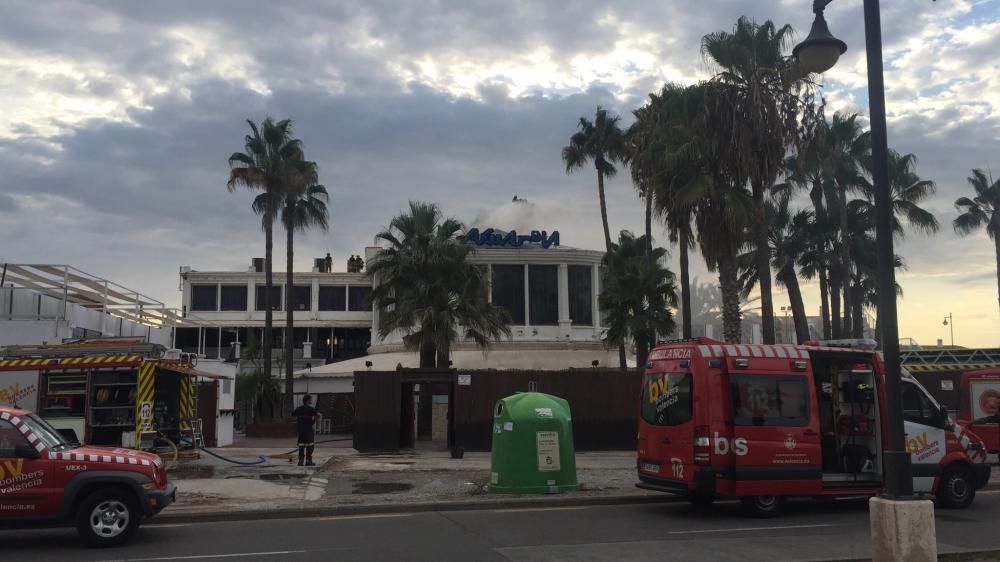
{"type": "Point", "coordinates": [819, 53]}
{"type": "Point", "coordinates": [950, 322]}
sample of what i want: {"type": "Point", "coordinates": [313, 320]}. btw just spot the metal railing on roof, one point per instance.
{"type": "Point", "coordinates": [70, 285]}
{"type": "Point", "coordinates": [950, 356]}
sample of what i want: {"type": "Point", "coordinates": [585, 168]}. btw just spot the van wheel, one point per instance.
{"type": "Point", "coordinates": [107, 517]}
{"type": "Point", "coordinates": [701, 500]}
{"type": "Point", "coordinates": [956, 490]}
{"type": "Point", "coordinates": [764, 507]}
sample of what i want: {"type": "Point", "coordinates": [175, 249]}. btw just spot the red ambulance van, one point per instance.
{"type": "Point", "coordinates": [765, 422]}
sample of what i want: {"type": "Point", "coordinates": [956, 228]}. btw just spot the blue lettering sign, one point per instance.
{"type": "Point", "coordinates": [492, 237]}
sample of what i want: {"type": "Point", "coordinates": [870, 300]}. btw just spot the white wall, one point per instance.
{"type": "Point", "coordinates": [224, 421]}
{"type": "Point", "coordinates": [325, 385]}
{"type": "Point", "coordinates": [27, 318]}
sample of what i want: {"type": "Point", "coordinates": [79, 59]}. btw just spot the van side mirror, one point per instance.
{"type": "Point", "coordinates": [944, 419]}
{"type": "Point", "coordinates": [26, 452]}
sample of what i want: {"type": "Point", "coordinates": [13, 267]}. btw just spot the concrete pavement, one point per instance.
{"type": "Point", "coordinates": [808, 531]}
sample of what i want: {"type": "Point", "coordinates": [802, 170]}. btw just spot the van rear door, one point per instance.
{"type": "Point", "coordinates": [666, 427]}
{"type": "Point", "coordinates": [775, 449]}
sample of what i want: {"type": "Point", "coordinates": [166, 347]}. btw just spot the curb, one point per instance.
{"type": "Point", "coordinates": [182, 516]}
{"type": "Point", "coordinates": [179, 516]}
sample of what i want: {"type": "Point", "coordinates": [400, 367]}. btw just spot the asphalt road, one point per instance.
{"type": "Point", "coordinates": [669, 531]}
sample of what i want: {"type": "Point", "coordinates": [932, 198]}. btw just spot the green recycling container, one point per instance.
{"type": "Point", "coordinates": [532, 445]}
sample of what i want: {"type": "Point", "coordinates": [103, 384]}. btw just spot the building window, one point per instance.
{"type": "Point", "coordinates": [233, 297]}
{"type": "Point", "coordinates": [357, 299]}
{"type": "Point", "coordinates": [203, 297]}
{"type": "Point", "coordinates": [543, 295]}
{"type": "Point", "coordinates": [332, 298]}
{"type": "Point", "coordinates": [275, 297]}
{"type": "Point", "coordinates": [508, 291]}
{"type": "Point", "coordinates": [302, 297]}
{"type": "Point", "coordinates": [581, 302]}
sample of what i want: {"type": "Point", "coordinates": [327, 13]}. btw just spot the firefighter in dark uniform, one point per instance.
{"type": "Point", "coordinates": [306, 417]}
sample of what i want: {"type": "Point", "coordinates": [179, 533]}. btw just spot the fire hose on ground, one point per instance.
{"type": "Point", "coordinates": [260, 459]}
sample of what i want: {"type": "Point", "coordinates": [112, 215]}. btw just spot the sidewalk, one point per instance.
{"type": "Point", "coordinates": [348, 481]}
{"type": "Point", "coordinates": [344, 477]}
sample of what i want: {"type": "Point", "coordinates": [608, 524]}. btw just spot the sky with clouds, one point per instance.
{"type": "Point", "coordinates": [118, 118]}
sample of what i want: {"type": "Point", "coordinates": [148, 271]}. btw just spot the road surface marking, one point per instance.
{"type": "Point", "coordinates": [738, 529]}
{"type": "Point", "coordinates": [524, 509]}
{"type": "Point", "coordinates": [166, 525]}
{"type": "Point", "coordinates": [371, 516]}
{"type": "Point", "coordinates": [209, 556]}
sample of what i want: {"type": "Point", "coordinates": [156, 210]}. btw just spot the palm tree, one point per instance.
{"type": "Point", "coordinates": [602, 142]}
{"type": "Point", "coordinates": [848, 149]}
{"type": "Point", "coordinates": [982, 210]}
{"type": "Point", "coordinates": [756, 89]}
{"type": "Point", "coordinates": [426, 288]}
{"type": "Point", "coordinates": [267, 164]}
{"type": "Point", "coordinates": [661, 128]}
{"type": "Point", "coordinates": [300, 209]}
{"type": "Point", "coordinates": [865, 276]}
{"type": "Point", "coordinates": [722, 213]}
{"type": "Point", "coordinates": [637, 295]}
{"type": "Point", "coordinates": [908, 191]}
{"type": "Point", "coordinates": [814, 262]}
{"type": "Point", "coordinates": [788, 236]}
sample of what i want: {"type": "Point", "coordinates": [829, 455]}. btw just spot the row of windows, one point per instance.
{"type": "Point", "coordinates": [234, 298]}
{"type": "Point", "coordinates": [759, 400]}
{"type": "Point", "coordinates": [508, 290]}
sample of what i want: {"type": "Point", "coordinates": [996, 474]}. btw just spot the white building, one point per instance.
{"type": "Point", "coordinates": [551, 294]}
{"type": "Point", "coordinates": [332, 318]}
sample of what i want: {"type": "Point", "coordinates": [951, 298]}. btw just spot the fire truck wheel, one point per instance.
{"type": "Point", "coordinates": [764, 507]}
{"type": "Point", "coordinates": [957, 488]}
{"type": "Point", "coordinates": [107, 517]}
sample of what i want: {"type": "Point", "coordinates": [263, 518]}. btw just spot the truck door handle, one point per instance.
{"type": "Point", "coordinates": [666, 441]}
{"type": "Point", "coordinates": [810, 433]}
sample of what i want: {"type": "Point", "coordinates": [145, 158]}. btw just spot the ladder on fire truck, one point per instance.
{"type": "Point", "coordinates": [78, 349]}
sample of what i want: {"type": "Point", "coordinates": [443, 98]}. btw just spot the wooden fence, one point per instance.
{"type": "Point", "coordinates": [604, 404]}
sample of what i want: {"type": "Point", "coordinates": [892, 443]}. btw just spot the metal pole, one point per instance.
{"type": "Point", "coordinates": [951, 325]}
{"type": "Point", "coordinates": [899, 481]}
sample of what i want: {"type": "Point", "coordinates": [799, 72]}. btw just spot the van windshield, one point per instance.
{"type": "Point", "coordinates": [666, 398]}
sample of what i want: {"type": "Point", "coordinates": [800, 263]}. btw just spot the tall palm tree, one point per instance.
{"type": "Point", "coordinates": [908, 191]}
{"type": "Point", "coordinates": [602, 142]}
{"type": "Point", "coordinates": [425, 287]}
{"type": "Point", "coordinates": [814, 262]}
{"type": "Point", "coordinates": [301, 208]}
{"type": "Point", "coordinates": [848, 148]}
{"type": "Point", "coordinates": [805, 170]}
{"type": "Point", "coordinates": [661, 128]}
{"type": "Point", "coordinates": [267, 164]}
{"type": "Point", "coordinates": [637, 295]}
{"type": "Point", "coordinates": [788, 237]}
{"type": "Point", "coordinates": [722, 213]}
{"type": "Point", "coordinates": [757, 88]}
{"type": "Point", "coordinates": [982, 210]}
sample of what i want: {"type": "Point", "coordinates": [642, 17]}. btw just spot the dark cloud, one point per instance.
{"type": "Point", "coordinates": [138, 187]}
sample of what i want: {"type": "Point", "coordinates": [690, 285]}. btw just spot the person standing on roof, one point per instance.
{"type": "Point", "coordinates": [306, 417]}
